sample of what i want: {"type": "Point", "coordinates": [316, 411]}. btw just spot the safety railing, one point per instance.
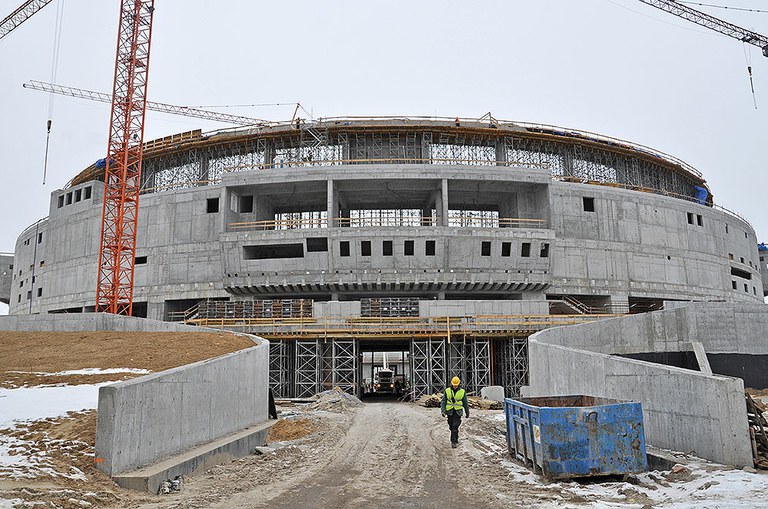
{"type": "Point", "coordinates": [447, 327]}
{"type": "Point", "coordinates": [377, 222]}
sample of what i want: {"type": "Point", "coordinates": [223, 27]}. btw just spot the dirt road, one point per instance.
{"type": "Point", "coordinates": [381, 455]}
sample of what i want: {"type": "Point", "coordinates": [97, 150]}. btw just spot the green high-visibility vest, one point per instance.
{"type": "Point", "coordinates": [454, 401]}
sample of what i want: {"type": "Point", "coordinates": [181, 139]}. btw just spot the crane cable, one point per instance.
{"type": "Point", "coordinates": [744, 9]}
{"type": "Point", "coordinates": [54, 69]}
{"type": "Point", "coordinates": [748, 58]}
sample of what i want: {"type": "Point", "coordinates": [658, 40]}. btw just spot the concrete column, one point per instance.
{"type": "Point", "coordinates": [332, 203]}
{"type": "Point", "coordinates": [442, 203]}
{"type": "Point", "coordinates": [501, 152]}
{"type": "Point", "coordinates": [619, 303]}
{"type": "Point", "coordinates": [269, 155]}
{"type": "Point", "coordinates": [204, 175]}
{"type": "Point", "coordinates": [156, 310]}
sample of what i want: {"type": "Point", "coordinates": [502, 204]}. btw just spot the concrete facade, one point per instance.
{"type": "Point", "coordinates": [634, 246]}
{"type": "Point", "coordinates": [583, 359]}
{"type": "Point", "coordinates": [6, 277]}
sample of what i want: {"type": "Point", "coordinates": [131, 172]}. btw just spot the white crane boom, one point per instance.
{"type": "Point", "coordinates": [154, 106]}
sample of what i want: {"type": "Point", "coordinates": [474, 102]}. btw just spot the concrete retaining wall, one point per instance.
{"type": "Point", "coordinates": [75, 322]}
{"type": "Point", "coordinates": [683, 410]}
{"type": "Point", "coordinates": [146, 419]}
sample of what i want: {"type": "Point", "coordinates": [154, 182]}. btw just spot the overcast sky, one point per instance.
{"type": "Point", "coordinates": [615, 67]}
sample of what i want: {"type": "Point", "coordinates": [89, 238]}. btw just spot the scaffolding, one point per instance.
{"type": "Point", "coordinates": [428, 366]}
{"type": "Point", "coordinates": [281, 362]}
{"type": "Point", "coordinates": [344, 363]}
{"type": "Point", "coordinates": [511, 362]}
{"type": "Point", "coordinates": [308, 372]}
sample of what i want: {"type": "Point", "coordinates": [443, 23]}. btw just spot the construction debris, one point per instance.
{"type": "Point", "coordinates": [433, 401]}
{"type": "Point", "coordinates": [758, 431]}
{"type": "Point", "coordinates": [335, 400]}
{"type": "Point", "coordinates": [289, 429]}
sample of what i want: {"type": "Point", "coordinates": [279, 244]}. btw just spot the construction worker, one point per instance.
{"type": "Point", "coordinates": [453, 404]}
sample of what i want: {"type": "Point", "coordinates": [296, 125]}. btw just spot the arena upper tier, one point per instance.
{"type": "Point", "coordinates": [535, 218]}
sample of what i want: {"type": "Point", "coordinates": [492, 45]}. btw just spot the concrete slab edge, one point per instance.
{"type": "Point", "coordinates": [196, 460]}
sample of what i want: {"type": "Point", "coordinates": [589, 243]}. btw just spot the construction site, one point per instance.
{"type": "Point", "coordinates": [268, 315]}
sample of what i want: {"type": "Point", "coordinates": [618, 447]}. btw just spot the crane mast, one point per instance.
{"type": "Point", "coordinates": [711, 22]}
{"type": "Point", "coordinates": [20, 15]}
{"type": "Point", "coordinates": [122, 177]}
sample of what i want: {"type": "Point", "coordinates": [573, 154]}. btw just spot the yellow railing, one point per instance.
{"type": "Point", "coordinates": [361, 327]}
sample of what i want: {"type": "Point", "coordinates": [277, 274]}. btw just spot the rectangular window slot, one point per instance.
{"type": "Point", "coordinates": [42, 264]}
{"type": "Point", "coordinates": [212, 205]}
{"type": "Point", "coordinates": [730, 256]}
{"type": "Point", "coordinates": [690, 217]}
{"type": "Point", "coordinates": [386, 247]}
{"type": "Point", "coordinates": [61, 201]}
{"type": "Point", "coordinates": [741, 259]}
{"type": "Point", "coordinates": [544, 253]}
{"type": "Point", "coordinates": [726, 227]}
{"type": "Point", "coordinates": [246, 204]}
{"type": "Point", "coordinates": [365, 248]}
{"type": "Point", "coordinates": [408, 248]}
{"type": "Point", "coordinates": [39, 238]}
{"type": "Point", "coordinates": [39, 292]}
{"type": "Point", "coordinates": [733, 284]}
{"type": "Point", "coordinates": [141, 260]}
{"type": "Point", "coordinates": [485, 249]}
{"type": "Point", "coordinates": [317, 245]}
{"type": "Point", "coordinates": [69, 198]}
{"type": "Point", "coordinates": [746, 287]}
{"type": "Point", "coordinates": [506, 249]}
{"type": "Point", "coordinates": [78, 195]}
{"type": "Point", "coordinates": [344, 248]}
{"type": "Point", "coordinates": [589, 204]}
{"type": "Point", "coordinates": [29, 294]}
{"type": "Point", "coordinates": [87, 193]}
{"type": "Point", "coordinates": [430, 248]}
{"type": "Point", "coordinates": [699, 220]}
{"type": "Point", "coordinates": [525, 250]}
{"type": "Point", "coordinates": [741, 273]}
{"type": "Point", "coordinates": [273, 251]}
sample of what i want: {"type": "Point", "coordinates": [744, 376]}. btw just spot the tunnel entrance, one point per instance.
{"type": "Point", "coordinates": [385, 370]}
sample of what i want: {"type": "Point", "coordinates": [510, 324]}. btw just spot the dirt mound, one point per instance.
{"type": "Point", "coordinates": [56, 352]}
{"type": "Point", "coordinates": [285, 430]}
{"type": "Point", "coordinates": [335, 400]}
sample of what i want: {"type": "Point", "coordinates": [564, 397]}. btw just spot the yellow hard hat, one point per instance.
{"type": "Point", "coordinates": [455, 381]}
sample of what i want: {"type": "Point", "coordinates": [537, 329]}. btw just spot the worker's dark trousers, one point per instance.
{"type": "Point", "coordinates": [454, 421]}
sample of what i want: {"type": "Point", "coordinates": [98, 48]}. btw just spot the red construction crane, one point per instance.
{"type": "Point", "coordinates": [20, 15]}
{"type": "Point", "coordinates": [122, 177]}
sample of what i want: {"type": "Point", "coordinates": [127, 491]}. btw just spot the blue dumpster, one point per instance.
{"type": "Point", "coordinates": [576, 436]}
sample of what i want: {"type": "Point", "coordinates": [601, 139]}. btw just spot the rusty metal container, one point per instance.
{"type": "Point", "coordinates": [576, 436]}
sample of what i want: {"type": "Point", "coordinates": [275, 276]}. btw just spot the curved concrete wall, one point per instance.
{"type": "Point", "coordinates": [683, 409]}
{"type": "Point", "coordinates": [633, 245]}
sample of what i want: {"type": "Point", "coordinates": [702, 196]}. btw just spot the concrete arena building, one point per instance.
{"type": "Point", "coordinates": [447, 243]}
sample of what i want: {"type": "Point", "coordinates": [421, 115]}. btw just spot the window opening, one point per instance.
{"type": "Point", "coordinates": [525, 250]}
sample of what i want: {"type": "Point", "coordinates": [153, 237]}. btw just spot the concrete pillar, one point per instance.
{"type": "Point", "coordinates": [156, 310]}
{"type": "Point", "coordinates": [501, 152]}
{"type": "Point", "coordinates": [269, 155]}
{"type": "Point", "coordinates": [618, 303]}
{"type": "Point", "coordinates": [442, 203]}
{"type": "Point", "coordinates": [204, 175]}
{"type": "Point", "coordinates": [332, 203]}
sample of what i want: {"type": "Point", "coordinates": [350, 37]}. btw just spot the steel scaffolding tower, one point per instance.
{"type": "Point", "coordinates": [308, 363]}
{"type": "Point", "coordinates": [281, 362]}
{"type": "Point", "coordinates": [344, 361]}
{"type": "Point", "coordinates": [511, 361]}
{"type": "Point", "coordinates": [428, 358]}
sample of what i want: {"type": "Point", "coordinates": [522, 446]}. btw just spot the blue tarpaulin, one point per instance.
{"type": "Point", "coordinates": [700, 194]}
{"type": "Point", "coordinates": [762, 247]}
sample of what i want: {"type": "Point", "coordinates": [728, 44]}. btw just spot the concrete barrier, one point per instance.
{"type": "Point", "coordinates": [76, 322]}
{"type": "Point", "coordinates": [146, 419]}
{"type": "Point", "coordinates": [683, 409]}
